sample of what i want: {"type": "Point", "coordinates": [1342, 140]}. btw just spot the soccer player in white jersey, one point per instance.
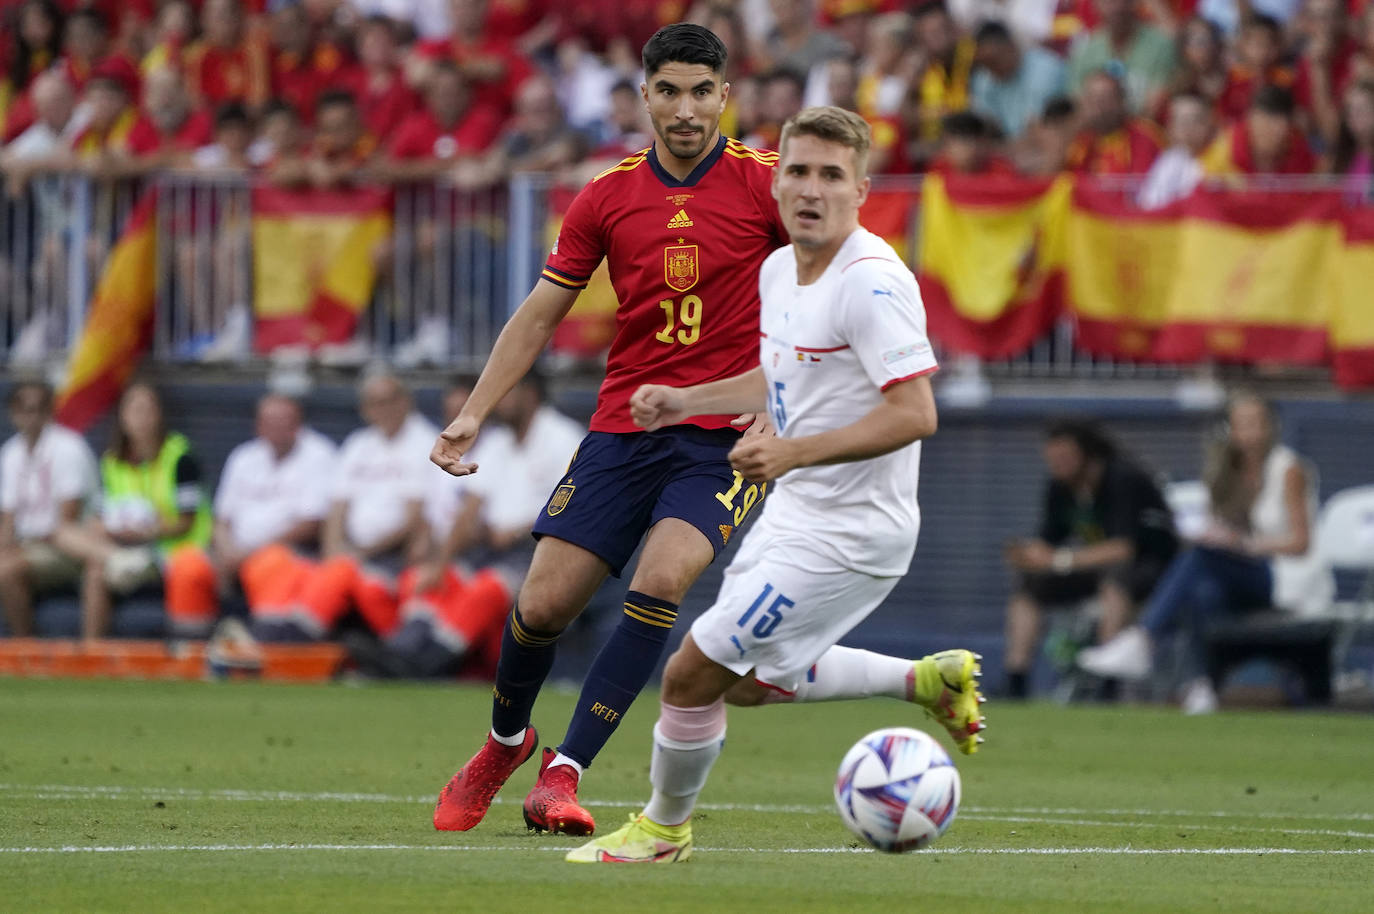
{"type": "Point", "coordinates": [844, 370]}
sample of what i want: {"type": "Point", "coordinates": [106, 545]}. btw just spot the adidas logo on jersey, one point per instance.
{"type": "Point", "coordinates": [681, 220]}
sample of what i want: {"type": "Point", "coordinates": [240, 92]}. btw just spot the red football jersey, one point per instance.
{"type": "Point", "coordinates": [421, 136]}
{"type": "Point", "coordinates": [684, 260]}
{"type": "Point", "coordinates": [145, 138]}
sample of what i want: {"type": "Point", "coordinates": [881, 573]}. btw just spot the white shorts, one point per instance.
{"type": "Point", "coordinates": [781, 606]}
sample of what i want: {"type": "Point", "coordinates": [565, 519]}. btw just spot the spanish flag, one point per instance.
{"type": "Point", "coordinates": [1352, 324]}
{"type": "Point", "coordinates": [1253, 281]}
{"type": "Point", "coordinates": [990, 260]}
{"type": "Point", "coordinates": [314, 262]}
{"type": "Point", "coordinates": [888, 214]}
{"type": "Point", "coordinates": [119, 322]}
{"type": "Point", "coordinates": [1121, 264]}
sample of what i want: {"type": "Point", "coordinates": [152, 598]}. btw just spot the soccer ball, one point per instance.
{"type": "Point", "coordinates": [897, 789]}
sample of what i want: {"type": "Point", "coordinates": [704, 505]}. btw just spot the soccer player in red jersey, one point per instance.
{"type": "Point", "coordinates": [684, 226]}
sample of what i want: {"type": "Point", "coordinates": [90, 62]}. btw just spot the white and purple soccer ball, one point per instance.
{"type": "Point", "coordinates": [897, 789]}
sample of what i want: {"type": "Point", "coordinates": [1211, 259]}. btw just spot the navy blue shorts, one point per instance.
{"type": "Point", "coordinates": [621, 484]}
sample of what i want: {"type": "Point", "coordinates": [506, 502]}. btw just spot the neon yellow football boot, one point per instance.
{"type": "Point", "coordinates": [638, 841]}
{"type": "Point", "coordinates": [946, 685]}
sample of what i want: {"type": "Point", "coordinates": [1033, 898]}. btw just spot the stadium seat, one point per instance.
{"type": "Point", "coordinates": [139, 616]}
{"type": "Point", "coordinates": [1312, 644]}
{"type": "Point", "coordinates": [57, 617]}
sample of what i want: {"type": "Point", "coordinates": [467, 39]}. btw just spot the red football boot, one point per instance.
{"type": "Point", "coordinates": [467, 796]}
{"type": "Point", "coordinates": [552, 805]}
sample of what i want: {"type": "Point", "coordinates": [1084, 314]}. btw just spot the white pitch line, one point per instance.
{"type": "Point", "coordinates": [70, 791]}
{"type": "Point", "coordinates": [1009, 851]}
{"type": "Point", "coordinates": [1091, 823]}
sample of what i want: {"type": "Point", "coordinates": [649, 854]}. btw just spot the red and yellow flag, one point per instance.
{"type": "Point", "coordinates": [119, 322]}
{"type": "Point", "coordinates": [1253, 278]}
{"type": "Point", "coordinates": [314, 262]}
{"type": "Point", "coordinates": [1352, 323]}
{"type": "Point", "coordinates": [990, 256]}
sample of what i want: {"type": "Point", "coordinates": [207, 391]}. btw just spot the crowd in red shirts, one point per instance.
{"type": "Point", "coordinates": [334, 91]}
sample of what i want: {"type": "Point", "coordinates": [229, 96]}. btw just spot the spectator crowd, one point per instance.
{"type": "Point", "coordinates": [331, 92]}
{"type": "Point", "coordinates": [302, 540]}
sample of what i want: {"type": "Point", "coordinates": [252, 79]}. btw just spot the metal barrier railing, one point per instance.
{"type": "Point", "coordinates": [456, 264]}
{"type": "Point", "coordinates": [55, 232]}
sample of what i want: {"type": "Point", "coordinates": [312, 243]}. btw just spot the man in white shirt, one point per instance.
{"type": "Point", "coordinates": [374, 526]}
{"type": "Point", "coordinates": [449, 613]}
{"type": "Point", "coordinates": [842, 335]}
{"type": "Point", "coordinates": [273, 493]}
{"type": "Point", "coordinates": [47, 475]}
{"type": "Point", "coordinates": [1178, 170]}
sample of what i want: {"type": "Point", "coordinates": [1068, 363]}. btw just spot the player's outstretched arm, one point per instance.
{"type": "Point", "coordinates": [522, 339]}
{"type": "Point", "coordinates": [654, 406]}
{"type": "Point", "coordinates": [906, 414]}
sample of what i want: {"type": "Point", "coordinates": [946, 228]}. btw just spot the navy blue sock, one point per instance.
{"type": "Point", "coordinates": [618, 674]}
{"type": "Point", "coordinates": [526, 658]}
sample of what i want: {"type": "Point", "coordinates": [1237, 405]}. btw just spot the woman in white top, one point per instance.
{"type": "Point", "coordinates": [1255, 553]}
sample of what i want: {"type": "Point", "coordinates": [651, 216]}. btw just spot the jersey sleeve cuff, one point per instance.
{"type": "Point", "coordinates": [915, 374]}
{"type": "Point", "coordinates": [565, 280]}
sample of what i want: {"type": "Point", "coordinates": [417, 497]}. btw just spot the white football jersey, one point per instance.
{"type": "Point", "coordinates": [828, 350]}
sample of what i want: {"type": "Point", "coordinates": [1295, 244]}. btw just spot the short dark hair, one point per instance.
{"type": "Point", "coordinates": [925, 9]}
{"type": "Point", "coordinates": [1058, 109]}
{"type": "Point", "coordinates": [335, 97]}
{"type": "Point", "coordinates": [91, 15]}
{"type": "Point", "coordinates": [280, 106]}
{"type": "Point", "coordinates": [965, 124]}
{"type": "Point", "coordinates": [684, 42]}
{"type": "Point", "coordinates": [1267, 23]}
{"type": "Point", "coordinates": [1089, 436]}
{"type": "Point", "coordinates": [19, 386]}
{"type": "Point", "coordinates": [624, 85]}
{"type": "Point", "coordinates": [992, 30]}
{"type": "Point", "coordinates": [230, 114]}
{"type": "Point", "coordinates": [1274, 100]}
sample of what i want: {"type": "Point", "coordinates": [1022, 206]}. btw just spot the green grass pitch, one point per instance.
{"type": "Point", "coordinates": [122, 796]}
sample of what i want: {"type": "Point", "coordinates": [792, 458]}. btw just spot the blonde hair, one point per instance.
{"type": "Point", "coordinates": [833, 125]}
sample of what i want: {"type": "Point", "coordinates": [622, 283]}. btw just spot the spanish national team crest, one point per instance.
{"type": "Point", "coordinates": [725, 531]}
{"type": "Point", "coordinates": [561, 497]}
{"type": "Point", "coordinates": [680, 266]}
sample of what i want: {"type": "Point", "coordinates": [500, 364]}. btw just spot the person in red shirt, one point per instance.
{"type": "Point", "coordinates": [1259, 52]}
{"type": "Point", "coordinates": [167, 130]}
{"type": "Point", "coordinates": [1112, 142]}
{"type": "Point", "coordinates": [226, 64]}
{"type": "Point", "coordinates": [449, 128]}
{"type": "Point", "coordinates": [341, 150]}
{"type": "Point", "coordinates": [32, 42]}
{"type": "Point", "coordinates": [109, 102]}
{"type": "Point", "coordinates": [968, 146]}
{"type": "Point", "coordinates": [302, 68]}
{"type": "Point", "coordinates": [487, 58]}
{"type": "Point", "coordinates": [1266, 142]}
{"type": "Point", "coordinates": [377, 81]}
{"type": "Point", "coordinates": [1325, 64]}
{"type": "Point", "coordinates": [684, 227]}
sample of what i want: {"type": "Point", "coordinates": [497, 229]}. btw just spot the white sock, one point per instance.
{"type": "Point", "coordinates": [561, 759]}
{"type": "Point", "coordinates": [678, 772]}
{"type": "Point", "coordinates": [845, 672]}
{"type": "Point", "coordinates": [515, 740]}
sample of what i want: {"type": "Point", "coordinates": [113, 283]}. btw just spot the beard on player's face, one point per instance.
{"type": "Point", "coordinates": [685, 103]}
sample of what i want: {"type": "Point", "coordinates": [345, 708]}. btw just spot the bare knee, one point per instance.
{"type": "Point", "coordinates": [693, 680]}
{"type": "Point", "coordinates": [561, 580]}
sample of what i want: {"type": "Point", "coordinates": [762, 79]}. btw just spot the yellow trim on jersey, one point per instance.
{"type": "Point", "coordinates": [629, 164]}
{"type": "Point", "coordinates": [741, 151]}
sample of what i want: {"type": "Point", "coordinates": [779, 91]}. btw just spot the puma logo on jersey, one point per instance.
{"type": "Point", "coordinates": [681, 220]}
{"type": "Point", "coordinates": [886, 292]}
